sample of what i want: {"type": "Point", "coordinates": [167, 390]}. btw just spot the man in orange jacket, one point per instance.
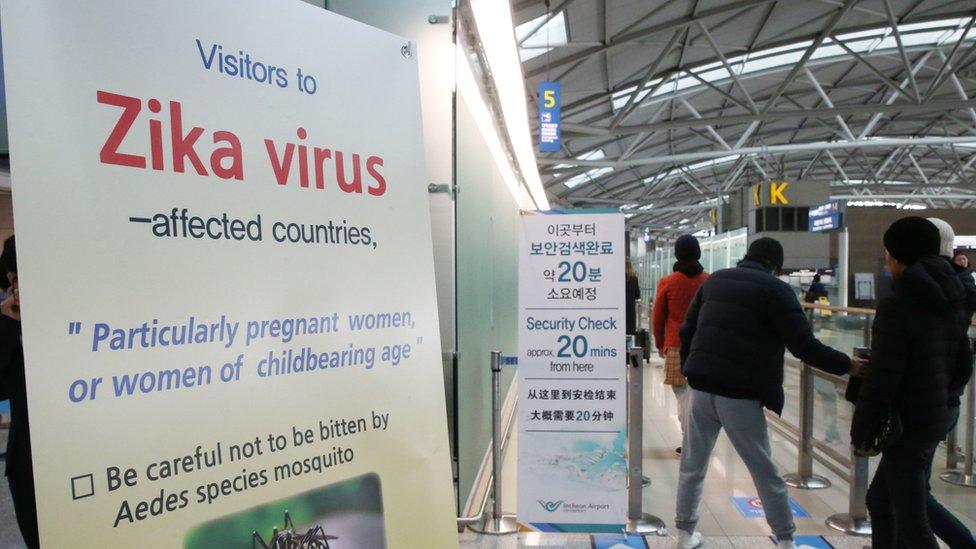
{"type": "Point", "coordinates": [674, 294]}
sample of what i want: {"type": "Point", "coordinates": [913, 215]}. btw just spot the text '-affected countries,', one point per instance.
{"type": "Point", "coordinates": [182, 223]}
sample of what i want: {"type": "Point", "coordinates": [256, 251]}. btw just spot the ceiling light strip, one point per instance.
{"type": "Point", "coordinates": [496, 32]}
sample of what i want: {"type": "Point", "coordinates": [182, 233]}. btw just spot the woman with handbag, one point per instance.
{"type": "Point", "coordinates": [901, 409]}
{"type": "Point", "coordinates": [674, 294]}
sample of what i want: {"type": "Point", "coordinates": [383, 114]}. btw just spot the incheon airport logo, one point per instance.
{"type": "Point", "coordinates": [550, 506]}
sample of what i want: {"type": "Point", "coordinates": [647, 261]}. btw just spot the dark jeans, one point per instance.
{"type": "Point", "coordinates": [897, 498]}
{"type": "Point", "coordinates": [944, 524]}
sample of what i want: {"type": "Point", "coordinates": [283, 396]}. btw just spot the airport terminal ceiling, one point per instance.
{"type": "Point", "coordinates": [670, 105]}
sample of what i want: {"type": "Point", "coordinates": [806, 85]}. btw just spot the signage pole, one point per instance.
{"type": "Point", "coordinates": [843, 265]}
{"type": "Point", "coordinates": [638, 522]}
{"type": "Point", "coordinates": [495, 522]}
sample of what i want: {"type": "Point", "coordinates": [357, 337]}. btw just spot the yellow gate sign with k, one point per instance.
{"type": "Point", "coordinates": [777, 193]}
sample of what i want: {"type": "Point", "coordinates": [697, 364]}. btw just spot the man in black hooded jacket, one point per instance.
{"type": "Point", "coordinates": [945, 525]}
{"type": "Point", "coordinates": [917, 340]}
{"type": "Point", "coordinates": [732, 345]}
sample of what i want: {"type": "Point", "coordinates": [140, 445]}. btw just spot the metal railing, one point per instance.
{"type": "Point", "coordinates": [964, 477]}
{"type": "Point", "coordinates": [493, 521]}
{"type": "Point", "coordinates": [638, 522]}
{"type": "Point", "coordinates": [845, 328]}
{"type": "Point", "coordinates": [854, 331]}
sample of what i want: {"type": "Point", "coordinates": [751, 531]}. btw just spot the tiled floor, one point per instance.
{"type": "Point", "coordinates": [721, 522]}
{"type": "Point", "coordinates": [469, 540]}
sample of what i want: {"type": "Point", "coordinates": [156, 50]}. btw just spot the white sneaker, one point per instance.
{"type": "Point", "coordinates": [786, 544]}
{"type": "Point", "coordinates": [688, 540]}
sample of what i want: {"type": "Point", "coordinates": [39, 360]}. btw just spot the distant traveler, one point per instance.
{"type": "Point", "coordinates": [674, 294]}
{"type": "Point", "coordinates": [815, 291]}
{"type": "Point", "coordinates": [20, 469]}
{"type": "Point", "coordinates": [902, 407]}
{"type": "Point", "coordinates": [944, 524]}
{"type": "Point", "coordinates": [632, 288]}
{"type": "Point", "coordinates": [732, 344]}
{"type": "Point", "coordinates": [960, 259]}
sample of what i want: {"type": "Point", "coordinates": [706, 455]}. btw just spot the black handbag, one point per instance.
{"type": "Point", "coordinates": [888, 433]}
{"type": "Point", "coordinates": [890, 429]}
{"type": "Point", "coordinates": [853, 389]}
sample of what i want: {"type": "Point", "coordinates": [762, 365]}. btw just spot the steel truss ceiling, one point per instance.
{"type": "Point", "coordinates": [670, 105]}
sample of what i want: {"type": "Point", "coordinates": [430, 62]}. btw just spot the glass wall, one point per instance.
{"type": "Point", "coordinates": [487, 291]}
{"type": "Point", "coordinates": [718, 252]}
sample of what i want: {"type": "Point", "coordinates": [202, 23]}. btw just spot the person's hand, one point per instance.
{"type": "Point", "coordinates": [859, 367]}
{"type": "Point", "coordinates": [11, 305]}
{"type": "Point", "coordinates": [660, 353]}
{"type": "Point", "coordinates": [864, 451]}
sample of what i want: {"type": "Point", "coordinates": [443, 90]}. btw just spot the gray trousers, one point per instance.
{"type": "Point", "coordinates": [745, 425]}
{"type": "Point", "coordinates": [682, 396]}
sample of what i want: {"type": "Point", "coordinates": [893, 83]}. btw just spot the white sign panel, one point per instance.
{"type": "Point", "coordinates": [572, 465]}
{"type": "Point", "coordinates": [227, 279]}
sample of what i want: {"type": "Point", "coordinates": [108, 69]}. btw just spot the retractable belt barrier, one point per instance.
{"type": "Point", "coordinates": [638, 522]}
{"type": "Point", "coordinates": [495, 522]}
{"type": "Point", "coordinates": [804, 478]}
{"type": "Point", "coordinates": [965, 476]}
{"type": "Point", "coordinates": [855, 521]}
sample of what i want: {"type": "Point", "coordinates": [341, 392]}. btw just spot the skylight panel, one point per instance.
{"type": "Point", "coordinates": [589, 175]}
{"type": "Point", "coordinates": [621, 97]}
{"type": "Point", "coordinates": [756, 63]}
{"type": "Point", "coordinates": [585, 177]}
{"type": "Point", "coordinates": [863, 34]}
{"type": "Point", "coordinates": [942, 23]}
{"type": "Point", "coordinates": [861, 42]}
{"type": "Point", "coordinates": [789, 47]}
{"type": "Point", "coordinates": [542, 40]}
{"type": "Point", "coordinates": [869, 182]}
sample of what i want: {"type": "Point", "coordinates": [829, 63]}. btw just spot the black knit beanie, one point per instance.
{"type": "Point", "coordinates": [911, 238]}
{"type": "Point", "coordinates": [686, 248]}
{"type": "Point", "coordinates": [767, 250]}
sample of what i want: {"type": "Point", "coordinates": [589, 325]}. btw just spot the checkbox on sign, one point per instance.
{"type": "Point", "coordinates": [82, 486]}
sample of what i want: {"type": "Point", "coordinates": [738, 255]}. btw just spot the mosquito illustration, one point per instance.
{"type": "Point", "coordinates": [288, 538]}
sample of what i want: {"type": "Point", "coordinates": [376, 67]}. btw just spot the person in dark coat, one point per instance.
{"type": "Point", "coordinates": [632, 292]}
{"type": "Point", "coordinates": [674, 295]}
{"type": "Point", "coordinates": [945, 525]}
{"type": "Point", "coordinates": [732, 344]}
{"type": "Point", "coordinates": [20, 469]}
{"type": "Point", "coordinates": [815, 291]}
{"type": "Point", "coordinates": [916, 348]}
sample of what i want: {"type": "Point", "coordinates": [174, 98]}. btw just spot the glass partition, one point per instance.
{"type": "Point", "coordinates": [718, 252]}
{"type": "Point", "coordinates": [832, 414]}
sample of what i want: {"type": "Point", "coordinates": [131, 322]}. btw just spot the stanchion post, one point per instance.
{"type": "Point", "coordinates": [495, 522]}
{"type": "Point", "coordinates": [952, 449]}
{"type": "Point", "coordinates": [804, 477]}
{"type": "Point", "coordinates": [965, 477]}
{"type": "Point", "coordinates": [855, 521]}
{"type": "Point", "coordinates": [638, 522]}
